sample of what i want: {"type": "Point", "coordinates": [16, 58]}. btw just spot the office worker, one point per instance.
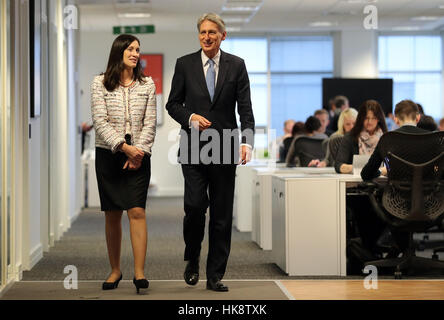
{"type": "Point", "coordinates": [205, 88]}
{"type": "Point", "coordinates": [123, 107]}
{"type": "Point", "coordinates": [363, 138]}
{"type": "Point", "coordinates": [313, 129]}
{"type": "Point", "coordinates": [346, 122]}
{"type": "Point", "coordinates": [407, 116]}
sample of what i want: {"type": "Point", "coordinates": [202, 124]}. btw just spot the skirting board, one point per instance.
{"type": "Point", "coordinates": [35, 256]}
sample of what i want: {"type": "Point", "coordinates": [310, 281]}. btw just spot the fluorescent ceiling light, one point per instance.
{"type": "Point", "coordinates": [425, 18]}
{"type": "Point", "coordinates": [134, 15]}
{"type": "Point", "coordinates": [321, 24]}
{"type": "Point", "coordinates": [233, 29]}
{"type": "Point", "coordinates": [406, 28]}
{"type": "Point", "coordinates": [240, 8]}
{"type": "Point", "coordinates": [236, 19]}
{"type": "Point", "coordinates": [360, 1]}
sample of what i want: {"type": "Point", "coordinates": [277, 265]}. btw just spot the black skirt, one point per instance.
{"type": "Point", "coordinates": [121, 189]}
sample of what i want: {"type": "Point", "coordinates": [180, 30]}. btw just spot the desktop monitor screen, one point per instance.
{"type": "Point", "coordinates": [359, 90]}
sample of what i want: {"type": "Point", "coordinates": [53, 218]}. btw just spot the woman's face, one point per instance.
{"type": "Point", "coordinates": [370, 122]}
{"type": "Point", "coordinates": [348, 124]}
{"type": "Point", "coordinates": [131, 55]}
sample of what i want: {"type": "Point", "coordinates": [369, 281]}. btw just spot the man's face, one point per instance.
{"type": "Point", "coordinates": [323, 118]}
{"type": "Point", "coordinates": [210, 38]}
{"type": "Point", "coordinates": [289, 127]}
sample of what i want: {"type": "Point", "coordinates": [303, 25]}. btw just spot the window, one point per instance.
{"type": "Point", "coordinates": [293, 70]}
{"type": "Point", "coordinates": [297, 66]}
{"type": "Point", "coordinates": [414, 63]}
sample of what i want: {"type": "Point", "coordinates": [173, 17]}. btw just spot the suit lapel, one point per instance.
{"type": "Point", "coordinates": [198, 68]}
{"type": "Point", "coordinates": [223, 69]}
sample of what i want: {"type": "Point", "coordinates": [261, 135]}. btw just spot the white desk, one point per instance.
{"type": "Point", "coordinates": [262, 200]}
{"type": "Point", "coordinates": [309, 226]}
{"type": "Point", "coordinates": [243, 207]}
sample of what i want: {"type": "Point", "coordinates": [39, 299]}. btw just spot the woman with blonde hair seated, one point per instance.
{"type": "Point", "coordinates": [346, 122]}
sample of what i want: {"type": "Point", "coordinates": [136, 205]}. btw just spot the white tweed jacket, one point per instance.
{"type": "Point", "coordinates": [108, 114]}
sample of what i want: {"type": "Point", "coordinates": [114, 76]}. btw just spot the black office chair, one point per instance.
{"type": "Point", "coordinates": [307, 149]}
{"type": "Point", "coordinates": [412, 200]}
{"type": "Point", "coordinates": [333, 147]}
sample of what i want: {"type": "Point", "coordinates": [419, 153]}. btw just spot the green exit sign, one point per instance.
{"type": "Point", "coordinates": [134, 29]}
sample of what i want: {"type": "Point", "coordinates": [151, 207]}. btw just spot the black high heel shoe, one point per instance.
{"type": "Point", "coordinates": [111, 285]}
{"type": "Point", "coordinates": [141, 284]}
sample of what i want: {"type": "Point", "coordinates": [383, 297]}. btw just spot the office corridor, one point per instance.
{"type": "Point", "coordinates": [84, 246]}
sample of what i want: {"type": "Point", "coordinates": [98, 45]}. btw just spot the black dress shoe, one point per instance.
{"type": "Point", "coordinates": [141, 284]}
{"type": "Point", "coordinates": [191, 274]}
{"type": "Point", "coordinates": [111, 285]}
{"type": "Point", "coordinates": [216, 285]}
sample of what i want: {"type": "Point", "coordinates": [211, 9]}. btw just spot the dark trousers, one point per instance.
{"type": "Point", "coordinates": [209, 186]}
{"type": "Point", "coordinates": [369, 226]}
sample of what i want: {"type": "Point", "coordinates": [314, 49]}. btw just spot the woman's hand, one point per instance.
{"type": "Point", "coordinates": [346, 168]}
{"type": "Point", "coordinates": [314, 163]}
{"type": "Point", "coordinates": [133, 153]}
{"type": "Point", "coordinates": [132, 165]}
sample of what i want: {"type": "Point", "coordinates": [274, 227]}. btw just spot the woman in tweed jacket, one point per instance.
{"type": "Point", "coordinates": [123, 108]}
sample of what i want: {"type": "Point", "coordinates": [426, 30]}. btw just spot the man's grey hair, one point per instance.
{"type": "Point", "coordinates": [213, 18]}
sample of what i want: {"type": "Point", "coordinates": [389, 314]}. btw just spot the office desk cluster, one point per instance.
{"type": "Point", "coordinates": [298, 213]}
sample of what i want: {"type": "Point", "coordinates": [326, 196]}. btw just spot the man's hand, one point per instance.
{"type": "Point", "coordinates": [383, 171]}
{"type": "Point", "coordinates": [199, 123]}
{"type": "Point", "coordinates": [245, 154]}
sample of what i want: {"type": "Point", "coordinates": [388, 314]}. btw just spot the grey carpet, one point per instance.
{"type": "Point", "coordinates": [84, 246]}
{"type": "Point", "coordinates": [158, 290]}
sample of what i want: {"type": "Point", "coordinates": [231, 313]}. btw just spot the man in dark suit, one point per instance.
{"type": "Point", "coordinates": [205, 89]}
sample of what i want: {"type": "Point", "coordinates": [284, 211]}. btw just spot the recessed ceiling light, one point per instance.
{"type": "Point", "coordinates": [425, 18]}
{"type": "Point", "coordinates": [233, 29]}
{"type": "Point", "coordinates": [406, 28]}
{"type": "Point", "coordinates": [321, 24]}
{"type": "Point", "coordinates": [360, 1]}
{"type": "Point", "coordinates": [134, 15]}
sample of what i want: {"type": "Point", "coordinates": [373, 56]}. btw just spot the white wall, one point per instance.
{"type": "Point", "coordinates": [94, 51]}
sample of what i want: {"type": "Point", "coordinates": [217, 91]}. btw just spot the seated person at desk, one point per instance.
{"type": "Point", "coordinates": [363, 138]}
{"type": "Point", "coordinates": [312, 129]}
{"type": "Point", "coordinates": [346, 122]}
{"type": "Point", "coordinates": [297, 130]}
{"type": "Point", "coordinates": [406, 117]}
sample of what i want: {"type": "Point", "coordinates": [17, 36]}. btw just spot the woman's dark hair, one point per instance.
{"type": "Point", "coordinates": [312, 124]}
{"type": "Point", "coordinates": [115, 62]}
{"type": "Point", "coordinates": [368, 105]}
{"type": "Point", "coordinates": [298, 128]}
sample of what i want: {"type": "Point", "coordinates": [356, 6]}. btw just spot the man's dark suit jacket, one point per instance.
{"type": "Point", "coordinates": [189, 94]}
{"type": "Point", "coordinates": [371, 169]}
